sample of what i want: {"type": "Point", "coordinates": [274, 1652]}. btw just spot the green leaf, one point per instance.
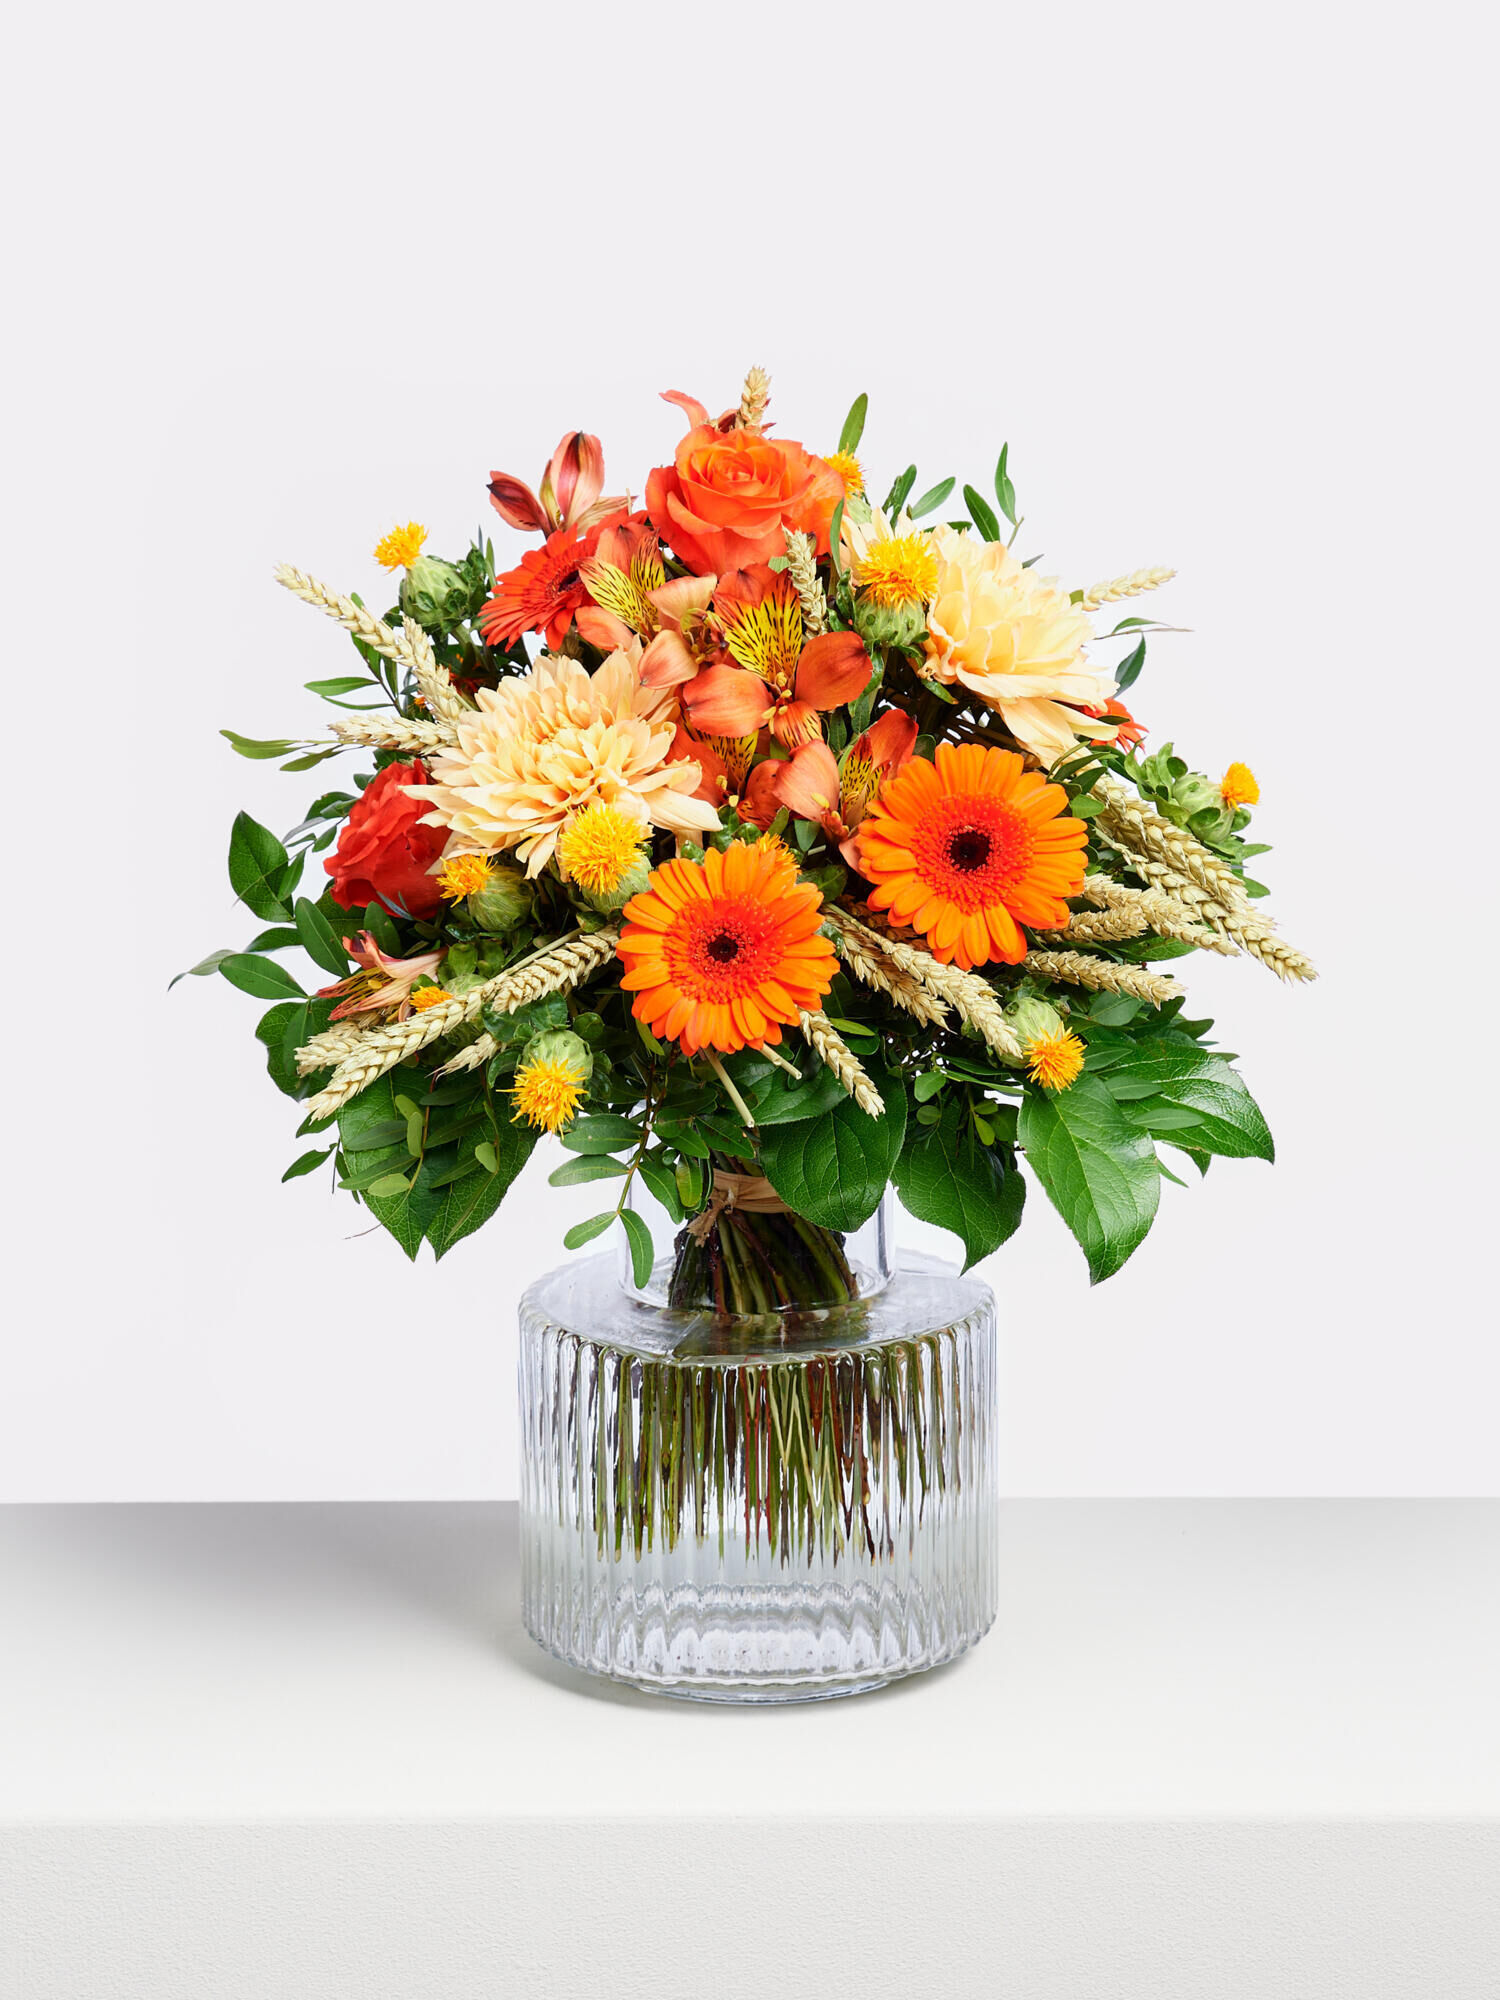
{"type": "Point", "coordinates": [585, 1232]}
{"type": "Point", "coordinates": [780, 1101]}
{"type": "Point", "coordinates": [261, 748]}
{"type": "Point", "coordinates": [305, 1163]}
{"type": "Point", "coordinates": [895, 500]}
{"type": "Point", "coordinates": [205, 965]}
{"type": "Point", "coordinates": [642, 1249]}
{"type": "Point", "coordinates": [849, 437]}
{"type": "Point", "coordinates": [380, 1132]}
{"type": "Point", "coordinates": [401, 1209]}
{"type": "Point", "coordinates": [1128, 671]}
{"type": "Point", "coordinates": [835, 528]}
{"type": "Point", "coordinates": [982, 514]}
{"type": "Point", "coordinates": [945, 1176]}
{"type": "Point", "coordinates": [466, 1204]}
{"type": "Point", "coordinates": [590, 1167]}
{"type": "Point", "coordinates": [1005, 492]}
{"type": "Point", "coordinates": [345, 684]}
{"type": "Point", "coordinates": [257, 861]}
{"type": "Point", "coordinates": [1172, 1090]}
{"type": "Point", "coordinates": [318, 940]}
{"type": "Point", "coordinates": [521, 1023]}
{"type": "Point", "coordinates": [833, 1169]}
{"type": "Point", "coordinates": [928, 1085]}
{"type": "Point", "coordinates": [261, 976]}
{"type": "Point", "coordinates": [933, 497]}
{"type": "Point", "coordinates": [1099, 1170]}
{"type": "Point", "coordinates": [604, 1132]}
{"type": "Point", "coordinates": [280, 937]}
{"type": "Point", "coordinates": [377, 921]}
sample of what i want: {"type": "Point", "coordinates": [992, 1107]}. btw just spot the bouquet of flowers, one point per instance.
{"type": "Point", "coordinates": [768, 846]}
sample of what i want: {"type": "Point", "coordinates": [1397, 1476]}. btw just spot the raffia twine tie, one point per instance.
{"type": "Point", "coordinates": [751, 1192]}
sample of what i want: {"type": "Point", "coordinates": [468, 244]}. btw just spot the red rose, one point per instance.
{"type": "Point", "coordinates": [384, 853]}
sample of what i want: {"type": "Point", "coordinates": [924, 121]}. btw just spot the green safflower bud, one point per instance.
{"type": "Point", "coordinates": [434, 593]}
{"type": "Point", "coordinates": [634, 882]}
{"type": "Point", "coordinates": [890, 624]}
{"type": "Point", "coordinates": [504, 902]}
{"type": "Point", "coordinates": [1030, 1017]}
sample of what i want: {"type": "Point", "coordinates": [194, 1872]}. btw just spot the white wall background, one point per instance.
{"type": "Point", "coordinates": [286, 275]}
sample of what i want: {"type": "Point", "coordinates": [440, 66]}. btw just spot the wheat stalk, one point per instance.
{"type": "Point", "coordinates": [410, 647]}
{"type": "Point", "coordinates": [1135, 585]}
{"type": "Point", "coordinates": [753, 400]}
{"type": "Point", "coordinates": [802, 568]}
{"type": "Point", "coordinates": [553, 970]}
{"type": "Point", "coordinates": [394, 732]}
{"type": "Point", "coordinates": [868, 960]}
{"type": "Point", "coordinates": [835, 1054]}
{"type": "Point", "coordinates": [1100, 926]}
{"type": "Point", "coordinates": [1138, 827]}
{"type": "Point", "coordinates": [1103, 975]}
{"type": "Point", "coordinates": [1261, 940]}
{"type": "Point", "coordinates": [330, 1047]}
{"type": "Point", "coordinates": [971, 998]}
{"type": "Point", "coordinates": [1156, 911]}
{"type": "Point", "coordinates": [478, 1051]}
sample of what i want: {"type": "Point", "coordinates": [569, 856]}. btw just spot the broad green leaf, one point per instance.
{"type": "Point", "coordinates": [318, 940]}
{"type": "Point", "coordinates": [850, 435]}
{"type": "Point", "coordinates": [585, 1232]}
{"type": "Point", "coordinates": [588, 1167]}
{"type": "Point", "coordinates": [780, 1101]}
{"type": "Point", "coordinates": [470, 1202]}
{"type": "Point", "coordinates": [945, 1176]}
{"type": "Point", "coordinates": [605, 1132]}
{"type": "Point", "coordinates": [261, 976]}
{"type": "Point", "coordinates": [982, 514]}
{"type": "Point", "coordinates": [521, 1023]}
{"type": "Point", "coordinates": [834, 1168]}
{"type": "Point", "coordinates": [642, 1249]}
{"type": "Point", "coordinates": [404, 1211]}
{"type": "Point", "coordinates": [257, 862]}
{"type": "Point", "coordinates": [933, 497]}
{"type": "Point", "coordinates": [205, 965]}
{"type": "Point", "coordinates": [1175, 1091]}
{"type": "Point", "coordinates": [1099, 1170]}
{"type": "Point", "coordinates": [259, 747]}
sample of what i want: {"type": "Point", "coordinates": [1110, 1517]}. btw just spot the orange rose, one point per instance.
{"type": "Point", "coordinates": [724, 501]}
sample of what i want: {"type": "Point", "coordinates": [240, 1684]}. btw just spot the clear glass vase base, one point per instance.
{"type": "Point", "coordinates": [762, 1511]}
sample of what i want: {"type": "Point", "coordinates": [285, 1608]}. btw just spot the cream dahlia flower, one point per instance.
{"type": "Point", "coordinates": [1014, 639]}
{"type": "Point", "coordinates": [539, 748]}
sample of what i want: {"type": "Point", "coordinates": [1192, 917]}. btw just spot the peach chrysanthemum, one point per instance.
{"type": "Point", "coordinates": [463, 875]}
{"type": "Point", "coordinates": [599, 846]}
{"type": "Point", "coordinates": [1055, 1060]}
{"type": "Point", "coordinates": [548, 1093]}
{"type": "Point", "coordinates": [848, 468]}
{"type": "Point", "coordinates": [725, 953]}
{"type": "Point", "coordinates": [401, 547]}
{"type": "Point", "coordinates": [540, 748]}
{"type": "Point", "coordinates": [1016, 640]}
{"type": "Point", "coordinates": [969, 848]}
{"type": "Point", "coordinates": [1238, 787]}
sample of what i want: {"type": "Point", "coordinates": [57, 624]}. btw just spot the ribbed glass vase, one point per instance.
{"type": "Point", "coordinates": [763, 1507]}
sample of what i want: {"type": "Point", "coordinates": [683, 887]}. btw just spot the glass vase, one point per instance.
{"type": "Point", "coordinates": [758, 1506]}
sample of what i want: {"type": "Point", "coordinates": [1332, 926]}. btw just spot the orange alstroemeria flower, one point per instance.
{"type": "Point", "coordinates": [728, 495]}
{"type": "Point", "coordinates": [571, 487]}
{"type": "Point", "coordinates": [381, 982]}
{"type": "Point", "coordinates": [812, 785]}
{"type": "Point", "coordinates": [771, 679]}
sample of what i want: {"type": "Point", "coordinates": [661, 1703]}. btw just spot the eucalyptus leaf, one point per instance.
{"type": "Point", "coordinates": [982, 514]}
{"type": "Point", "coordinates": [642, 1250]}
{"type": "Point", "coordinates": [854, 424]}
{"type": "Point", "coordinates": [932, 498]}
{"type": "Point", "coordinates": [585, 1232]}
{"type": "Point", "coordinates": [261, 976]}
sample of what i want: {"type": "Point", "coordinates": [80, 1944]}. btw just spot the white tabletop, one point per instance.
{"type": "Point", "coordinates": [1211, 1749]}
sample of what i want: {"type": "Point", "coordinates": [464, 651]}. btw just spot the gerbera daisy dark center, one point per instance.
{"type": "Point", "coordinates": [723, 948]}
{"type": "Point", "coordinates": [969, 848]}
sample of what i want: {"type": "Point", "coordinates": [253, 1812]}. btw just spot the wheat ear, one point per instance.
{"type": "Point", "coordinates": [330, 1047]}
{"type": "Point", "coordinates": [1135, 585]}
{"type": "Point", "coordinates": [802, 568]}
{"type": "Point", "coordinates": [971, 998]}
{"type": "Point", "coordinates": [434, 682]}
{"type": "Point", "coordinates": [753, 400]}
{"type": "Point", "coordinates": [1153, 909]}
{"type": "Point", "coordinates": [1138, 827]}
{"type": "Point", "coordinates": [410, 647]}
{"type": "Point", "coordinates": [394, 732]}
{"type": "Point", "coordinates": [835, 1054]}
{"type": "Point", "coordinates": [868, 960]}
{"type": "Point", "coordinates": [1103, 975]}
{"type": "Point", "coordinates": [555, 970]}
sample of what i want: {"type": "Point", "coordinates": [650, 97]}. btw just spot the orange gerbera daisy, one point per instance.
{"type": "Point", "coordinates": [969, 848]}
{"type": "Point", "coordinates": [724, 953]}
{"type": "Point", "coordinates": [543, 591]}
